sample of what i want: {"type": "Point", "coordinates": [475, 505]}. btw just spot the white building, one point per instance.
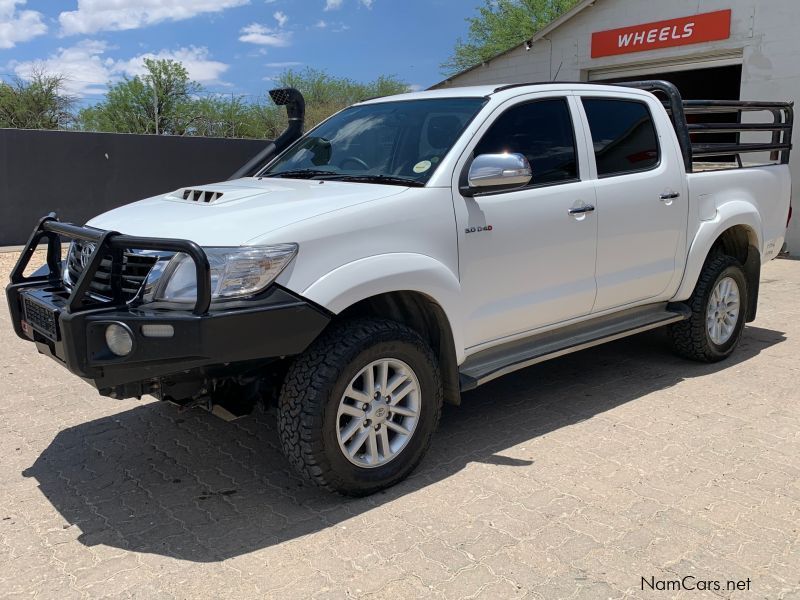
{"type": "Point", "coordinates": [721, 49]}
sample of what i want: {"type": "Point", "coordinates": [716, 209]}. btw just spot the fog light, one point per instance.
{"type": "Point", "coordinates": [158, 331]}
{"type": "Point", "coordinates": [119, 339]}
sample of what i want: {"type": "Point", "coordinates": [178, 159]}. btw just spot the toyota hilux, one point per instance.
{"type": "Point", "coordinates": [413, 247]}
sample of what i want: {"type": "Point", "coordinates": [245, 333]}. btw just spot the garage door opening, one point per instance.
{"type": "Point", "coordinates": [715, 83]}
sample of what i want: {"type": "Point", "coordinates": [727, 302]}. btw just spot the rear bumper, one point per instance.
{"type": "Point", "coordinates": [280, 325]}
{"type": "Point", "coordinates": [71, 330]}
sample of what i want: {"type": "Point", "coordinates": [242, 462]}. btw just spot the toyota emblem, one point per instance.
{"type": "Point", "coordinates": [85, 254]}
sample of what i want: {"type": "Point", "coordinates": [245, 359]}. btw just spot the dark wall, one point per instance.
{"type": "Point", "coordinates": [80, 175]}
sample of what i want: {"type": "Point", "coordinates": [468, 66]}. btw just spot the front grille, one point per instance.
{"type": "Point", "coordinates": [42, 319]}
{"type": "Point", "coordinates": [135, 268]}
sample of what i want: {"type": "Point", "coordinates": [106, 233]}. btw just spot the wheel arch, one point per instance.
{"type": "Point", "coordinates": [422, 314]}
{"type": "Point", "coordinates": [736, 231]}
{"type": "Point", "coordinates": [413, 289]}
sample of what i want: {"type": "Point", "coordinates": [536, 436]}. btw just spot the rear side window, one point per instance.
{"type": "Point", "coordinates": [623, 135]}
{"type": "Point", "coordinates": [540, 130]}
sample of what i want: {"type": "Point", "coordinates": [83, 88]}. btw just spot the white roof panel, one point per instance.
{"type": "Point", "coordinates": [501, 91]}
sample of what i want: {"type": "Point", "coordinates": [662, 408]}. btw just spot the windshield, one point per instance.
{"type": "Point", "coordinates": [400, 142]}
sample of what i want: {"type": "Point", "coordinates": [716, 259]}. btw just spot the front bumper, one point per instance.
{"type": "Point", "coordinates": [71, 329]}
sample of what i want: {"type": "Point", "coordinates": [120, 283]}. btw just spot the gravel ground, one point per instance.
{"type": "Point", "coordinates": [598, 475]}
{"type": "Point", "coordinates": [7, 260]}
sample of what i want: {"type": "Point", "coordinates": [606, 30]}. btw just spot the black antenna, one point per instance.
{"type": "Point", "coordinates": [561, 64]}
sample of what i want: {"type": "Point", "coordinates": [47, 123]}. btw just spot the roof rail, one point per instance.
{"type": "Point", "coordinates": [511, 86]}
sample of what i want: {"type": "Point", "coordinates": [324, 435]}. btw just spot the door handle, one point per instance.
{"type": "Point", "coordinates": [581, 210]}
{"type": "Point", "coordinates": [670, 195]}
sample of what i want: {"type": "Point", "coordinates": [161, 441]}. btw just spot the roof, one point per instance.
{"type": "Point", "coordinates": [554, 24]}
{"type": "Point", "coordinates": [503, 91]}
{"type": "Point", "coordinates": [477, 91]}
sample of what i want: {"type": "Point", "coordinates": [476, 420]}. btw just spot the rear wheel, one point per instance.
{"type": "Point", "coordinates": [358, 409]}
{"type": "Point", "coordinates": [719, 305]}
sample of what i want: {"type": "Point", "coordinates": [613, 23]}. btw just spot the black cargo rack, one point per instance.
{"type": "Point", "coordinates": [107, 242]}
{"type": "Point", "coordinates": [782, 113]}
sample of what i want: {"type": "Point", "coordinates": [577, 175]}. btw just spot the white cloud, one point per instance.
{"type": "Point", "coordinates": [333, 4]}
{"type": "Point", "coordinates": [87, 70]}
{"type": "Point", "coordinates": [117, 15]}
{"type": "Point", "coordinates": [18, 26]}
{"type": "Point", "coordinates": [196, 60]}
{"type": "Point", "coordinates": [281, 18]}
{"type": "Point", "coordinates": [367, 3]}
{"type": "Point", "coordinates": [333, 26]}
{"type": "Point", "coordinates": [255, 33]}
{"type": "Point", "coordinates": [283, 65]}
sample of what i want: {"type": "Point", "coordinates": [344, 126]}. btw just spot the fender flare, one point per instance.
{"type": "Point", "coordinates": [730, 214]}
{"type": "Point", "coordinates": [397, 272]}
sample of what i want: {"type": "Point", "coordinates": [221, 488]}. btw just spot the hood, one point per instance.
{"type": "Point", "coordinates": [232, 213]}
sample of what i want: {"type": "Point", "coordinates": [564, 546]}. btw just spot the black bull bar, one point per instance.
{"type": "Point", "coordinates": [107, 243]}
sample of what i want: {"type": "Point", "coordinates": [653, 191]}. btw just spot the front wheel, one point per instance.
{"type": "Point", "coordinates": [718, 305]}
{"type": "Point", "coordinates": [358, 408]}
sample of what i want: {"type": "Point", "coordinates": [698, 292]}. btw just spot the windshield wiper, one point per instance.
{"type": "Point", "coordinates": [330, 175]}
{"type": "Point", "coordinates": [387, 179]}
{"type": "Point", "coordinates": [301, 174]}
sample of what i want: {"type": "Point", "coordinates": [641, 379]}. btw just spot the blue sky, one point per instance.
{"type": "Point", "coordinates": [231, 46]}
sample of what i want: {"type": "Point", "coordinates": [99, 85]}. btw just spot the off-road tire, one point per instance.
{"type": "Point", "coordinates": [314, 384]}
{"type": "Point", "coordinates": [690, 338]}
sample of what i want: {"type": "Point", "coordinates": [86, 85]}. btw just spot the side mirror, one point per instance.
{"type": "Point", "coordinates": [499, 171]}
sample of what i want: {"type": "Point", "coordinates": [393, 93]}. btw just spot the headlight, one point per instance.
{"type": "Point", "coordinates": [235, 272]}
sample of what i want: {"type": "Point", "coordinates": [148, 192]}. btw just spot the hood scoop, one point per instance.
{"type": "Point", "coordinates": [213, 195]}
{"type": "Point", "coordinates": [196, 195]}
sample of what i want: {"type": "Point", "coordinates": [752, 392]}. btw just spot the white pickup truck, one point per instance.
{"type": "Point", "coordinates": [415, 246]}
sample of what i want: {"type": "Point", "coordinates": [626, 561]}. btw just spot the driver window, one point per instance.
{"type": "Point", "coordinates": [540, 130]}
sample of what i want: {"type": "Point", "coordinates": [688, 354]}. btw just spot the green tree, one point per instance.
{"type": "Point", "coordinates": [501, 25]}
{"type": "Point", "coordinates": [162, 101]}
{"type": "Point", "coordinates": [326, 94]}
{"type": "Point", "coordinates": [218, 115]}
{"type": "Point", "coordinates": [167, 102]}
{"type": "Point", "coordinates": [264, 120]}
{"type": "Point", "coordinates": [38, 102]}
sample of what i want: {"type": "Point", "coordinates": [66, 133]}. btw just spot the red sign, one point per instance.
{"type": "Point", "coordinates": [706, 27]}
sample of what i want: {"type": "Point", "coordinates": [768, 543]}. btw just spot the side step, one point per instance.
{"type": "Point", "coordinates": [495, 362]}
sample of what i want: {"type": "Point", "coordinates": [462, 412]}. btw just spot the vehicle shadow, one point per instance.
{"type": "Point", "coordinates": [187, 485]}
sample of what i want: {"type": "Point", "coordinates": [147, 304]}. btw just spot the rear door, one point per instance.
{"type": "Point", "coordinates": [642, 201]}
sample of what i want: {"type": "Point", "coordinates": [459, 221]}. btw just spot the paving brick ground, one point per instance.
{"type": "Point", "coordinates": [572, 479]}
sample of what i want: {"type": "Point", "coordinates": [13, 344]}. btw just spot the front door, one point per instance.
{"type": "Point", "coordinates": [525, 260]}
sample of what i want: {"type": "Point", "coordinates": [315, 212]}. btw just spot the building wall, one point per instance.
{"type": "Point", "coordinates": [764, 34]}
{"type": "Point", "coordinates": [80, 175]}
